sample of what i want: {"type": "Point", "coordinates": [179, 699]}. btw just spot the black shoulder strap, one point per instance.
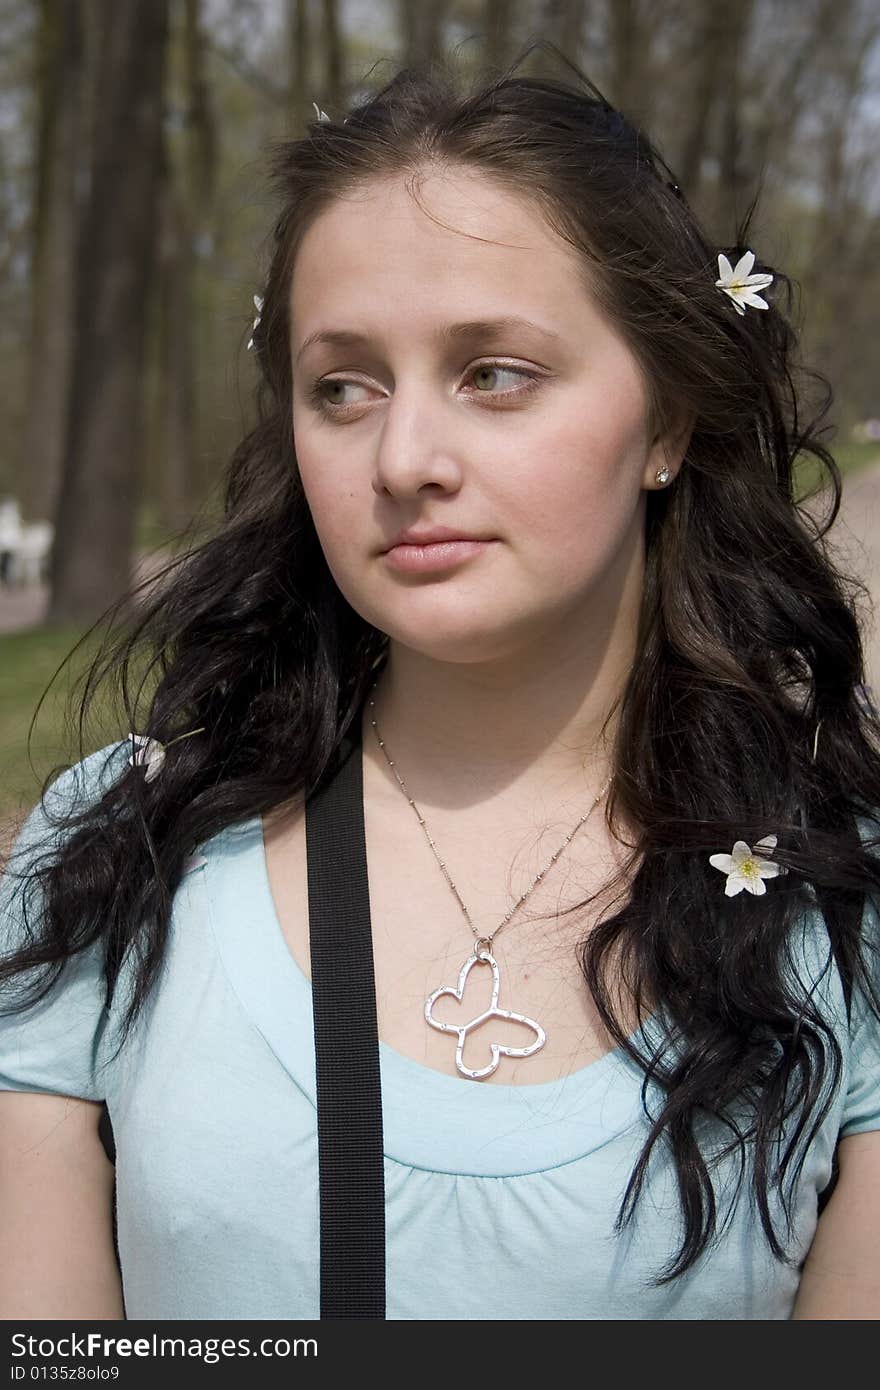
{"type": "Point", "coordinates": [350, 1139]}
{"type": "Point", "coordinates": [828, 903]}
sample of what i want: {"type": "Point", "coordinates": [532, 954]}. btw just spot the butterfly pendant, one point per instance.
{"type": "Point", "coordinates": [481, 955]}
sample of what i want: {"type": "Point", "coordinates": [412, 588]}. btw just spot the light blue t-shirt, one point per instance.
{"type": "Point", "coordinates": [500, 1199]}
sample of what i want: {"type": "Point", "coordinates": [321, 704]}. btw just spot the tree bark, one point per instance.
{"type": "Point", "coordinates": [422, 26]}
{"type": "Point", "coordinates": [334, 60]}
{"type": "Point", "coordinates": [95, 517]}
{"type": "Point", "coordinates": [177, 407]}
{"type": "Point", "coordinates": [705, 60]}
{"type": "Point", "coordinates": [733, 175]}
{"type": "Point", "coordinates": [498, 26]}
{"type": "Point", "coordinates": [186, 209]}
{"type": "Point", "coordinates": [299, 48]}
{"type": "Point", "coordinates": [626, 54]}
{"type": "Point", "coordinates": [54, 240]}
{"type": "Point", "coordinates": [562, 22]}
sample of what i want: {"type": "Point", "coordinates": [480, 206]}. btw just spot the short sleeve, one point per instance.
{"type": "Point", "coordinates": [861, 1108]}
{"type": "Point", "coordinates": [54, 1045]}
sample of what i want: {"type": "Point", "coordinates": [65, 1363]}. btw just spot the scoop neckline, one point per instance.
{"type": "Point", "coordinates": [499, 1129]}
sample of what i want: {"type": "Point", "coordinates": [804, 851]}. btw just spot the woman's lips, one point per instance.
{"type": "Point", "coordinates": [439, 555]}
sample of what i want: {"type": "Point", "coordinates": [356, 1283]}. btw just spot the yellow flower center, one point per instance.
{"type": "Point", "coordinates": [749, 868]}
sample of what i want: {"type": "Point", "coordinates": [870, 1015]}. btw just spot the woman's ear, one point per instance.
{"type": "Point", "coordinates": [669, 446]}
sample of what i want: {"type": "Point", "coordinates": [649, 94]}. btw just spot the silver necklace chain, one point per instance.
{"type": "Point", "coordinates": [485, 941]}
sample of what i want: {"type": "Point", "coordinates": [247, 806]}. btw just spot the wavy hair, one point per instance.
{"type": "Point", "coordinates": [748, 646]}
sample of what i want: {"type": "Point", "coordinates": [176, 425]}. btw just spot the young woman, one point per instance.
{"type": "Point", "coordinates": [518, 522]}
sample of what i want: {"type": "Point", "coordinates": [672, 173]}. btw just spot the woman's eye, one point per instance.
{"type": "Point", "coordinates": [328, 395]}
{"type": "Point", "coordinates": [486, 375]}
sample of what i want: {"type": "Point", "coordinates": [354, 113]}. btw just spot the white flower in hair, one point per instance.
{"type": "Point", "coordinates": [149, 753]}
{"type": "Point", "coordinates": [258, 305]}
{"type": "Point", "coordinates": [321, 115]}
{"type": "Point", "coordinates": [745, 868]}
{"type": "Point", "coordinates": [738, 282]}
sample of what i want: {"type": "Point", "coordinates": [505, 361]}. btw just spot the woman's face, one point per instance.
{"type": "Point", "coordinates": [462, 376]}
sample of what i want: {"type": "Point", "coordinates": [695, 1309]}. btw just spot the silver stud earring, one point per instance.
{"type": "Point", "coordinates": [662, 475]}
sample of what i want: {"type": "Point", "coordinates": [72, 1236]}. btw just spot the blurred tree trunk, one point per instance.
{"type": "Point", "coordinates": [95, 518]}
{"type": "Point", "coordinates": [59, 82]}
{"type": "Point", "coordinates": [562, 22]}
{"type": "Point", "coordinates": [334, 57]}
{"type": "Point", "coordinates": [299, 48]}
{"type": "Point", "coordinates": [706, 35]}
{"type": "Point", "coordinates": [780, 99]}
{"type": "Point", "coordinates": [176, 386]}
{"type": "Point", "coordinates": [734, 179]}
{"type": "Point", "coordinates": [422, 28]}
{"type": "Point", "coordinates": [185, 203]}
{"type": "Point", "coordinates": [202, 161]}
{"type": "Point", "coordinates": [498, 25]}
{"type": "Point", "coordinates": [834, 278]}
{"type": "Point", "coordinates": [627, 57]}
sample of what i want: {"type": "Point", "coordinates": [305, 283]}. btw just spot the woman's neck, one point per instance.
{"type": "Point", "coordinates": [459, 734]}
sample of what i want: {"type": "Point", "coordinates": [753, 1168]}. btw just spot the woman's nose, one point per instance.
{"type": "Point", "coordinates": [419, 443]}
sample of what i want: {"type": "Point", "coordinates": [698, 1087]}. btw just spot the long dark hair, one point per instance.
{"type": "Point", "coordinates": [748, 644]}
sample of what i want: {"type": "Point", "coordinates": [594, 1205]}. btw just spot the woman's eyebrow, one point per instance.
{"type": "Point", "coordinates": [457, 333]}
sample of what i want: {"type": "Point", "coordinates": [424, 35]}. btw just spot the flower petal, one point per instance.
{"type": "Point", "coordinates": [756, 886]}
{"type": "Point", "coordinates": [724, 862]}
{"type": "Point", "coordinates": [154, 765]}
{"type": "Point", "coordinates": [733, 297]}
{"type": "Point", "coordinates": [725, 269]}
{"type": "Point", "coordinates": [767, 869]}
{"type": "Point", "coordinates": [768, 842]}
{"type": "Point", "coordinates": [741, 851]}
{"type": "Point", "coordinates": [734, 885]}
{"type": "Point", "coordinates": [744, 265]}
{"type": "Point", "coordinates": [749, 297]}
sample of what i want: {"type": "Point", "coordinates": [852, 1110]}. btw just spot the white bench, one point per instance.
{"type": "Point", "coordinates": [24, 546]}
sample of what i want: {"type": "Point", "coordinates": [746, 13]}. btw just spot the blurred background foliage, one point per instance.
{"type": "Point", "coordinates": [134, 218]}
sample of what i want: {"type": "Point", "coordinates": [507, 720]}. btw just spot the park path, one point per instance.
{"type": "Point", "coordinates": [26, 607]}
{"type": "Point", "coordinates": [855, 537]}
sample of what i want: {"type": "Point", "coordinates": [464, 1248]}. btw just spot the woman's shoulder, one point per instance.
{"type": "Point", "coordinates": [53, 1042]}
{"type": "Point", "coordinates": [71, 792]}
{"type": "Point", "coordinates": [94, 774]}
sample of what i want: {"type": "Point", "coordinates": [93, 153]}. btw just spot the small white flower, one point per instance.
{"type": "Point", "coordinates": [745, 868]}
{"type": "Point", "coordinates": [321, 115]}
{"type": "Point", "coordinates": [149, 753]}
{"type": "Point", "coordinates": [737, 282]}
{"type": "Point", "coordinates": [258, 305]}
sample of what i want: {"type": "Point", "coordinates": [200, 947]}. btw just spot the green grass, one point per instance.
{"type": "Point", "coordinates": [28, 661]}
{"type": "Point", "coordinates": [849, 457]}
